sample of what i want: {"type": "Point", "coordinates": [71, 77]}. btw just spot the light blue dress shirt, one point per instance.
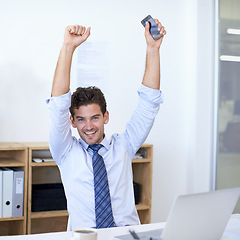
{"type": "Point", "coordinates": [75, 162]}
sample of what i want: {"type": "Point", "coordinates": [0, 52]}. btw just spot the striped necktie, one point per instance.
{"type": "Point", "coordinates": [103, 207]}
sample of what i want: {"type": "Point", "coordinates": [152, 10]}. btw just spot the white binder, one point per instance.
{"type": "Point", "coordinates": [7, 192]}
{"type": "Point", "coordinates": [1, 192]}
{"type": "Point", "coordinates": [18, 189]}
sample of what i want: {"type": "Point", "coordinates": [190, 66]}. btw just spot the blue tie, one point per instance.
{"type": "Point", "coordinates": [103, 207]}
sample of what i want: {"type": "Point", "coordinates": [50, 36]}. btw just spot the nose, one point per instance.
{"type": "Point", "coordinates": [88, 125]}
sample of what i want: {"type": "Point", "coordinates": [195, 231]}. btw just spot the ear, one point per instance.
{"type": "Point", "coordinates": [106, 117]}
{"type": "Point", "coordinates": [72, 121]}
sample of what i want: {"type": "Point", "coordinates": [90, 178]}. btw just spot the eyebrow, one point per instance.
{"type": "Point", "coordinates": [96, 115]}
{"type": "Point", "coordinates": [79, 117]}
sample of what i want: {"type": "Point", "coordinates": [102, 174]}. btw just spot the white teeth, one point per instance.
{"type": "Point", "coordinates": [89, 133]}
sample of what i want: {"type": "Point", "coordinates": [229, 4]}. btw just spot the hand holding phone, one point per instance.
{"type": "Point", "coordinates": [153, 27]}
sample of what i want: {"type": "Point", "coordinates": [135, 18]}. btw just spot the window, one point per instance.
{"type": "Point", "coordinates": [228, 139]}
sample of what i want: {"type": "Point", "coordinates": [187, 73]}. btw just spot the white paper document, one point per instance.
{"type": "Point", "coordinates": [92, 65]}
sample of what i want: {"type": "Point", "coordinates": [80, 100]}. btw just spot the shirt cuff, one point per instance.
{"type": "Point", "coordinates": [150, 94]}
{"type": "Point", "coordinates": [62, 102]}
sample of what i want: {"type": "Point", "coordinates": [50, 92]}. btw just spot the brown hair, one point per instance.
{"type": "Point", "coordinates": [85, 96]}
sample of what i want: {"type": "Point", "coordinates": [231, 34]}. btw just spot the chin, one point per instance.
{"type": "Point", "coordinates": [90, 142]}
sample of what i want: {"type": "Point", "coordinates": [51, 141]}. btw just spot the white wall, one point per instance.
{"type": "Point", "coordinates": [31, 36]}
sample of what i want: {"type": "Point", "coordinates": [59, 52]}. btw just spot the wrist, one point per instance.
{"type": "Point", "coordinates": [152, 50]}
{"type": "Point", "coordinates": [67, 47]}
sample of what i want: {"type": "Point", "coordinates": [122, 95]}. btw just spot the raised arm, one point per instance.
{"type": "Point", "coordinates": [151, 76]}
{"type": "Point", "coordinates": [73, 37]}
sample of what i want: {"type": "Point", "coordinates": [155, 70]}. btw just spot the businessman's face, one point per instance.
{"type": "Point", "coordinates": [89, 122]}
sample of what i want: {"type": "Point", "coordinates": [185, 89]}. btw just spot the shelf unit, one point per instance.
{"type": "Point", "coordinates": [15, 155]}
{"type": "Point", "coordinates": [20, 155]}
{"type": "Point", "coordinates": [142, 174]}
{"type": "Point", "coordinates": [40, 173]}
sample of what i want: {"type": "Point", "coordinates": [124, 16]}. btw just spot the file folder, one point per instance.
{"type": "Point", "coordinates": [18, 189]}
{"type": "Point", "coordinates": [7, 192]}
{"type": "Point", "coordinates": [1, 192]}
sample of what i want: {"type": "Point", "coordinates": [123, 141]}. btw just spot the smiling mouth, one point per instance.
{"type": "Point", "coordinates": [90, 133]}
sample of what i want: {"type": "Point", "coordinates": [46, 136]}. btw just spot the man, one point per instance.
{"type": "Point", "coordinates": [76, 158]}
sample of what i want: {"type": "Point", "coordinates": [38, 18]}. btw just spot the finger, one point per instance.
{"type": "Point", "coordinates": [162, 30]}
{"type": "Point", "coordinates": [87, 33]}
{"type": "Point", "coordinates": [72, 29]}
{"type": "Point", "coordinates": [159, 26]}
{"type": "Point", "coordinates": [77, 29]}
{"type": "Point", "coordinates": [81, 30]}
{"type": "Point", "coordinates": [69, 28]}
{"type": "Point", "coordinates": [156, 21]}
{"type": "Point", "coordinates": [147, 26]}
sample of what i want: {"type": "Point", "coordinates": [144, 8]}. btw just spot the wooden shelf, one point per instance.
{"type": "Point", "coordinates": [41, 173]}
{"type": "Point", "coordinates": [43, 164]}
{"type": "Point", "coordinates": [11, 219]}
{"type": "Point", "coordinates": [11, 146]}
{"type": "Point", "coordinates": [142, 206]}
{"type": "Point", "coordinates": [10, 162]}
{"type": "Point", "coordinates": [142, 160]}
{"type": "Point", "coordinates": [37, 145]}
{"type": "Point", "coordinates": [15, 155]}
{"type": "Point", "coordinates": [49, 214]}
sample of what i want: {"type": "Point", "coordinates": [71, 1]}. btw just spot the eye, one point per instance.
{"type": "Point", "coordinates": [96, 117]}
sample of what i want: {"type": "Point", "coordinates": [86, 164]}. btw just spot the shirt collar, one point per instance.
{"type": "Point", "coordinates": [105, 143]}
{"type": "Point", "coordinates": [84, 144]}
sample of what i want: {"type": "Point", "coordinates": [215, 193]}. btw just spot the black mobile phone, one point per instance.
{"type": "Point", "coordinates": [153, 27]}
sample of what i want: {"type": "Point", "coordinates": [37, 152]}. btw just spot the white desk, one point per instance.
{"type": "Point", "coordinates": [232, 231]}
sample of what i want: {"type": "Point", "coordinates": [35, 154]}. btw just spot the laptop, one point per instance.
{"type": "Point", "coordinates": [201, 216]}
